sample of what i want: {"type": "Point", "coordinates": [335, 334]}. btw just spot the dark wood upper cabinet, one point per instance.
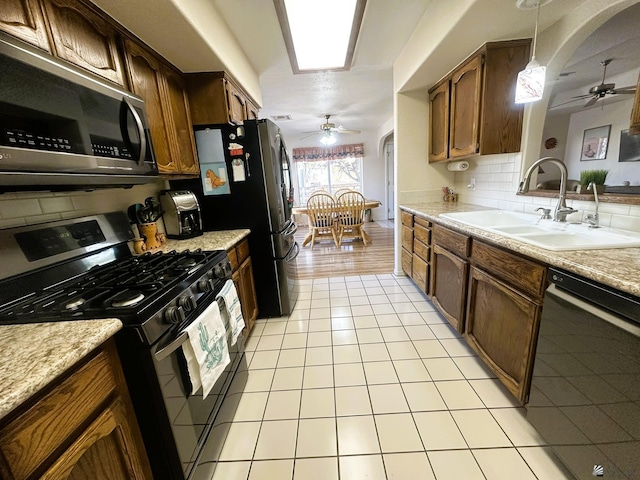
{"type": "Point", "coordinates": [163, 91]}
{"type": "Point", "coordinates": [482, 117]}
{"type": "Point", "coordinates": [23, 19]}
{"type": "Point", "coordinates": [85, 38]}
{"type": "Point", "coordinates": [145, 77]}
{"type": "Point", "coordinates": [465, 108]}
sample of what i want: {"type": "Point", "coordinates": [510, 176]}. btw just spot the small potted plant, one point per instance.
{"type": "Point", "coordinates": [596, 176]}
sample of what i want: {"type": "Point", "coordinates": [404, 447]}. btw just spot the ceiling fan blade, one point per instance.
{"type": "Point", "coordinates": [309, 134]}
{"type": "Point", "coordinates": [565, 103]}
{"type": "Point", "coordinates": [591, 102]}
{"type": "Point", "coordinates": [583, 96]}
{"type": "Point", "coordinates": [341, 129]}
{"type": "Point", "coordinates": [624, 90]}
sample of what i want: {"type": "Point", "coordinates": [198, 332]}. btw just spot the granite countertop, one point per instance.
{"type": "Point", "coordinates": [34, 354]}
{"type": "Point", "coordinates": [219, 240]}
{"type": "Point", "coordinates": [616, 267]}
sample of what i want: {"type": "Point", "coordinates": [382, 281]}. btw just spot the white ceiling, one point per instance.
{"type": "Point", "coordinates": [617, 39]}
{"type": "Point", "coordinates": [359, 99]}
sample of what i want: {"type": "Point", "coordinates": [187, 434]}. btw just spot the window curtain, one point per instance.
{"type": "Point", "coordinates": [318, 154]}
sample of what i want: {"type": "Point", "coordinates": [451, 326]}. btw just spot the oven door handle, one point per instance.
{"type": "Point", "coordinates": [180, 339]}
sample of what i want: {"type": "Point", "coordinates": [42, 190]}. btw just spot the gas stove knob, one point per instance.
{"type": "Point", "coordinates": [187, 302]}
{"type": "Point", "coordinates": [174, 315]}
{"type": "Point", "coordinates": [219, 271]}
{"type": "Point", "coordinates": [205, 286]}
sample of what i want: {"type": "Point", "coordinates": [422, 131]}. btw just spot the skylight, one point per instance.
{"type": "Point", "coordinates": [320, 35]}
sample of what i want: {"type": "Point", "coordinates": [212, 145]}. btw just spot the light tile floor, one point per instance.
{"type": "Point", "coordinates": [366, 380]}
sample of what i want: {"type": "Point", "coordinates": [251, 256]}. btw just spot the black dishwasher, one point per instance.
{"type": "Point", "coordinates": [585, 390]}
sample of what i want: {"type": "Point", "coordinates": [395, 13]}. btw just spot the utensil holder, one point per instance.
{"type": "Point", "coordinates": [153, 238]}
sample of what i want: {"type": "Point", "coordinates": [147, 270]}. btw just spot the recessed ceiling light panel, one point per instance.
{"type": "Point", "coordinates": [320, 35]}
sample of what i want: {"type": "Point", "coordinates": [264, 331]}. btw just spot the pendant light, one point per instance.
{"type": "Point", "coordinates": [530, 83]}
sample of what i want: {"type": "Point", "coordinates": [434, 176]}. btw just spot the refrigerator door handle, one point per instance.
{"type": "Point", "coordinates": [293, 253]}
{"type": "Point", "coordinates": [290, 230]}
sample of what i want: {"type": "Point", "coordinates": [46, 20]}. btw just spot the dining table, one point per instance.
{"type": "Point", "coordinates": [302, 210]}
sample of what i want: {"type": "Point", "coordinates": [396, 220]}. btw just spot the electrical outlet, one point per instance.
{"type": "Point", "coordinates": [472, 184]}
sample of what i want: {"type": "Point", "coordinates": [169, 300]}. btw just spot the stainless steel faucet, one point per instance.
{"type": "Point", "coordinates": [561, 211]}
{"type": "Point", "coordinates": [592, 218]}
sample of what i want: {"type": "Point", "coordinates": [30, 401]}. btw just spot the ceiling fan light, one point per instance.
{"type": "Point", "coordinates": [530, 83]}
{"type": "Point", "coordinates": [328, 139]}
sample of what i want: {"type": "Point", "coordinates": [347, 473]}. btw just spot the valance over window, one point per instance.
{"type": "Point", "coordinates": [317, 154]}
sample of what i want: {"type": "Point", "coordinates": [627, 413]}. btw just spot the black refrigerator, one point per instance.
{"type": "Point", "coordinates": [245, 182]}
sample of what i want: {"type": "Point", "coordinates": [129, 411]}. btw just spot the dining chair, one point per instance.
{"type": "Point", "coordinates": [350, 216]}
{"type": "Point", "coordinates": [321, 209]}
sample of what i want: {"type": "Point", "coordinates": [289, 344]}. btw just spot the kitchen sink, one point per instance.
{"type": "Point", "coordinates": [546, 234]}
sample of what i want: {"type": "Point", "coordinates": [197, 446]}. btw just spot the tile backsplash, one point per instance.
{"type": "Point", "coordinates": [497, 179]}
{"type": "Point", "coordinates": [28, 208]}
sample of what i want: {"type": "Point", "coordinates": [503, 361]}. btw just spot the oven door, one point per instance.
{"type": "Point", "coordinates": [191, 417]}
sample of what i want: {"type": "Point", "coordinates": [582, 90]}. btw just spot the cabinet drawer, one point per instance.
{"type": "Point", "coordinates": [421, 233]}
{"type": "Point", "coordinates": [233, 258]}
{"type": "Point", "coordinates": [421, 250]}
{"type": "Point", "coordinates": [243, 250]}
{"type": "Point", "coordinates": [407, 218]}
{"type": "Point", "coordinates": [521, 273]}
{"type": "Point", "coordinates": [420, 273]}
{"type": "Point", "coordinates": [455, 242]}
{"type": "Point", "coordinates": [45, 426]}
{"type": "Point", "coordinates": [421, 221]}
{"type": "Point", "coordinates": [407, 262]}
{"type": "Point", "coordinates": [407, 238]}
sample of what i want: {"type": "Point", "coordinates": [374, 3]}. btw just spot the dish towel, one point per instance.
{"type": "Point", "coordinates": [234, 309]}
{"type": "Point", "coordinates": [207, 352]}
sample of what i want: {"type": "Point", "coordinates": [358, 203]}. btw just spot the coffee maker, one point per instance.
{"type": "Point", "coordinates": [182, 218]}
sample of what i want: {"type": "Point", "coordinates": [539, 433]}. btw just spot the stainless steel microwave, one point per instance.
{"type": "Point", "coordinates": [61, 127]}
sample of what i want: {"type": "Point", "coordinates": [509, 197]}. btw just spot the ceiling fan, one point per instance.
{"type": "Point", "coordinates": [601, 91]}
{"type": "Point", "coordinates": [328, 129]}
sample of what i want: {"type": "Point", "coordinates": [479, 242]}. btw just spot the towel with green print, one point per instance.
{"type": "Point", "coordinates": [233, 308]}
{"type": "Point", "coordinates": [206, 352]}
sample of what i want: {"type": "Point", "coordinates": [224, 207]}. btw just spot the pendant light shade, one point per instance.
{"type": "Point", "coordinates": [530, 83]}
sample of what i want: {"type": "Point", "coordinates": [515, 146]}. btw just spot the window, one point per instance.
{"type": "Point", "coordinates": [320, 169]}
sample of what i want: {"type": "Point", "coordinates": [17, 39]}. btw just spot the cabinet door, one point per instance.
{"type": "Point", "coordinates": [179, 108]}
{"type": "Point", "coordinates": [407, 262]}
{"type": "Point", "coordinates": [23, 19]}
{"type": "Point", "coordinates": [449, 285]}
{"type": "Point", "coordinates": [236, 102]}
{"type": "Point", "coordinates": [145, 76]}
{"type": "Point", "coordinates": [439, 123]}
{"type": "Point", "coordinates": [248, 288]}
{"type": "Point", "coordinates": [84, 38]}
{"type": "Point", "coordinates": [634, 128]}
{"type": "Point", "coordinates": [502, 326]}
{"type": "Point", "coordinates": [104, 451]}
{"type": "Point", "coordinates": [465, 108]}
{"type": "Point", "coordinates": [420, 273]}
{"type": "Point", "coordinates": [407, 238]}
{"type": "Point", "coordinates": [252, 111]}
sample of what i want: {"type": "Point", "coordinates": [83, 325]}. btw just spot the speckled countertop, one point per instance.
{"type": "Point", "coordinates": [616, 267]}
{"type": "Point", "coordinates": [220, 240]}
{"type": "Point", "coordinates": [35, 354]}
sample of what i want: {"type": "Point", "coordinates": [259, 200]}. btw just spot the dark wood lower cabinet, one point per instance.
{"type": "Point", "coordinates": [82, 427]}
{"type": "Point", "coordinates": [502, 327]}
{"type": "Point", "coordinates": [449, 285]}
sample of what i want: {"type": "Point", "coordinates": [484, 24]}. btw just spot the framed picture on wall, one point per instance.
{"type": "Point", "coordinates": [595, 143]}
{"type": "Point", "coordinates": [629, 147]}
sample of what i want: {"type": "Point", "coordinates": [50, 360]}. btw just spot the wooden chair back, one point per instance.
{"type": "Point", "coordinates": [350, 206]}
{"type": "Point", "coordinates": [321, 210]}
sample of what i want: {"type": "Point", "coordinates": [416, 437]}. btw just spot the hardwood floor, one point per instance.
{"type": "Point", "coordinates": [352, 258]}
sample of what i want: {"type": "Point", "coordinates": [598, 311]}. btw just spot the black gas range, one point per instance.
{"type": "Point", "coordinates": [83, 269]}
